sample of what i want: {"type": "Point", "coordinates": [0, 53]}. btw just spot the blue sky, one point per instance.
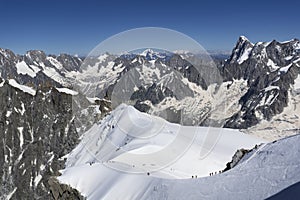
{"type": "Point", "coordinates": [77, 26]}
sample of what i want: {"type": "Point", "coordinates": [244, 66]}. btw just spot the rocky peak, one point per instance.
{"type": "Point", "coordinates": [147, 52]}
{"type": "Point", "coordinates": [150, 54]}
{"type": "Point", "coordinates": [270, 69]}
{"type": "Point", "coordinates": [35, 56]}
{"type": "Point", "coordinates": [6, 57]}
{"type": "Point", "coordinates": [279, 52]}
{"type": "Point", "coordinates": [241, 50]}
{"type": "Point", "coordinates": [282, 53]}
{"type": "Point", "coordinates": [70, 63]}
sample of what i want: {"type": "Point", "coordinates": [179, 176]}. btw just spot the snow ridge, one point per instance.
{"type": "Point", "coordinates": [130, 148]}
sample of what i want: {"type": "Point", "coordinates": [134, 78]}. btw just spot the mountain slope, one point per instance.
{"type": "Point", "coordinates": [267, 171]}
{"type": "Point", "coordinates": [33, 139]}
{"type": "Point", "coordinates": [271, 70]}
{"type": "Point", "coordinates": [113, 154]}
{"type": "Point", "coordinates": [260, 174]}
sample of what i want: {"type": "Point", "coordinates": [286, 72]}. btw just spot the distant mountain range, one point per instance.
{"type": "Point", "coordinates": [47, 102]}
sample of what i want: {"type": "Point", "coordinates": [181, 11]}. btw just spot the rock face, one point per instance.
{"type": "Point", "coordinates": [270, 70]}
{"type": "Point", "coordinates": [239, 154]}
{"type": "Point", "coordinates": [36, 131]}
{"type": "Point", "coordinates": [62, 191]}
{"type": "Point", "coordinates": [37, 123]}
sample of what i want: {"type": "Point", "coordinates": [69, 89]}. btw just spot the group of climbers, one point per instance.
{"type": "Point", "coordinates": [214, 173]}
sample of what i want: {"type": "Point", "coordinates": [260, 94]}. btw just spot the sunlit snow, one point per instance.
{"type": "Point", "coordinates": [131, 148]}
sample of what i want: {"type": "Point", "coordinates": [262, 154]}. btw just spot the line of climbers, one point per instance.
{"type": "Point", "coordinates": [214, 173]}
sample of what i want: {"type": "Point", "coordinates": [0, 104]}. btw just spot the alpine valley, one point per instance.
{"type": "Point", "coordinates": [67, 134]}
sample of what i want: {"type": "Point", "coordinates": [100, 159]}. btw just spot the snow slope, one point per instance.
{"type": "Point", "coordinates": [284, 124]}
{"type": "Point", "coordinates": [265, 172]}
{"type": "Point", "coordinates": [269, 170]}
{"type": "Point", "coordinates": [23, 68]}
{"type": "Point", "coordinates": [114, 158]}
{"type": "Point", "coordinates": [67, 91]}
{"type": "Point", "coordinates": [24, 88]}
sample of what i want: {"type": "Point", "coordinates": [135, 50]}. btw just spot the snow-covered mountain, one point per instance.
{"type": "Point", "coordinates": [264, 78]}
{"type": "Point", "coordinates": [129, 146]}
{"type": "Point", "coordinates": [271, 71]}
{"type": "Point", "coordinates": [37, 125]}
{"type": "Point", "coordinates": [36, 131]}
{"type": "Point", "coordinates": [126, 161]}
{"type": "Point", "coordinates": [35, 67]}
{"type": "Point", "coordinates": [257, 83]}
{"type": "Point", "coordinates": [47, 102]}
{"type": "Point", "coordinates": [150, 54]}
{"type": "Point", "coordinates": [159, 83]}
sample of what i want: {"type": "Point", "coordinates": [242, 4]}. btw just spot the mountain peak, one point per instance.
{"type": "Point", "coordinates": [7, 53]}
{"type": "Point", "coordinates": [243, 38]}
{"type": "Point", "coordinates": [241, 51]}
{"type": "Point", "coordinates": [147, 52]}
{"type": "Point", "coordinates": [152, 54]}
{"type": "Point", "coordinates": [244, 47]}
{"type": "Point", "coordinates": [36, 55]}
